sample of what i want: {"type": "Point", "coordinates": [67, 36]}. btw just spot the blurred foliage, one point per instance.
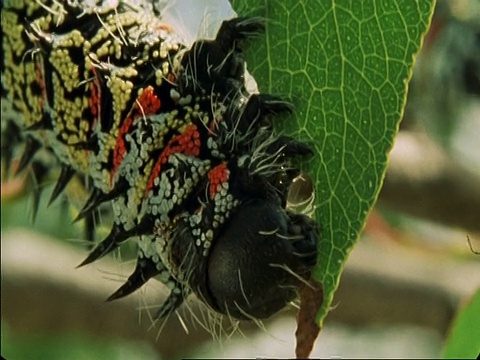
{"type": "Point", "coordinates": [70, 346]}
{"type": "Point", "coordinates": [464, 339]}
{"type": "Point", "coordinates": [54, 220]}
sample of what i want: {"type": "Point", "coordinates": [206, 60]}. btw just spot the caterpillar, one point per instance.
{"type": "Point", "coordinates": [167, 137]}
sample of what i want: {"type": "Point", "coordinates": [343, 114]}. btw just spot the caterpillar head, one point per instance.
{"type": "Point", "coordinates": [256, 262]}
{"type": "Point", "coordinates": [259, 261]}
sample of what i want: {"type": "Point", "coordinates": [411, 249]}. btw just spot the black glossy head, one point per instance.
{"type": "Point", "coordinates": [258, 262]}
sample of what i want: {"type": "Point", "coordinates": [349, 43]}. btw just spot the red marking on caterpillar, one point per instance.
{"type": "Point", "coordinates": [217, 176]}
{"type": "Point", "coordinates": [94, 101]}
{"type": "Point", "coordinates": [120, 146]}
{"type": "Point", "coordinates": [187, 143]}
{"type": "Point", "coordinates": [147, 103]}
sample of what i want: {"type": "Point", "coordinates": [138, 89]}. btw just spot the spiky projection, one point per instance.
{"type": "Point", "coordinates": [169, 137]}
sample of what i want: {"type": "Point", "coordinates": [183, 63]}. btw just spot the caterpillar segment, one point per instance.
{"type": "Point", "coordinates": [168, 136]}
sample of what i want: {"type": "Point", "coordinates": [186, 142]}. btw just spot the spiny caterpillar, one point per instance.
{"type": "Point", "coordinates": [169, 137]}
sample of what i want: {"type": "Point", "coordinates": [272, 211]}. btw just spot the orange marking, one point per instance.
{"type": "Point", "coordinates": [187, 143]}
{"type": "Point", "coordinates": [147, 103]}
{"type": "Point", "coordinates": [120, 146]}
{"type": "Point", "coordinates": [165, 27]}
{"type": "Point", "coordinates": [217, 176]}
{"type": "Point", "coordinates": [94, 99]}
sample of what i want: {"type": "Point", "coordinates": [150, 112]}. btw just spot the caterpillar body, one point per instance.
{"type": "Point", "coordinates": [168, 136]}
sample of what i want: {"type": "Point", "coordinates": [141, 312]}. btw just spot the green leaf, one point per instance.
{"type": "Point", "coordinates": [463, 341]}
{"type": "Point", "coordinates": [345, 64]}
